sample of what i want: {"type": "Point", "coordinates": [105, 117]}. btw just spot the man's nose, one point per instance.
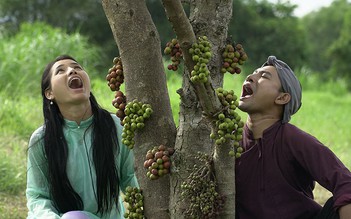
{"type": "Point", "coordinates": [250, 78]}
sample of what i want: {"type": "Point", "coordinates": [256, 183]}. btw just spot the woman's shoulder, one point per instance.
{"type": "Point", "coordinates": [37, 135]}
{"type": "Point", "coordinates": [38, 132]}
{"type": "Point", "coordinates": [116, 119]}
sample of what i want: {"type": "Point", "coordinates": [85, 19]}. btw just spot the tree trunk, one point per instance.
{"type": "Point", "coordinates": [211, 19]}
{"type": "Point", "coordinates": [139, 46]}
{"type": "Point", "coordinates": [138, 40]}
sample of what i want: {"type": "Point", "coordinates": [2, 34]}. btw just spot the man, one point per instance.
{"type": "Point", "coordinates": [275, 175]}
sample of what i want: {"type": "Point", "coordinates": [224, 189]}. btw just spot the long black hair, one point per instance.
{"type": "Point", "coordinates": [104, 149]}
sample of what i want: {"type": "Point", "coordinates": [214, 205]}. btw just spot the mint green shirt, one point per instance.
{"type": "Point", "coordinates": [80, 171]}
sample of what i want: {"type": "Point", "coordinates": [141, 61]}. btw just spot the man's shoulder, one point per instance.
{"type": "Point", "coordinates": [295, 133]}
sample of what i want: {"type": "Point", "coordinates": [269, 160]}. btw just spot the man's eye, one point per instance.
{"type": "Point", "coordinates": [78, 67]}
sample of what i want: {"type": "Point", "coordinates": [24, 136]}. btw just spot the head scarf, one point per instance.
{"type": "Point", "coordinates": [290, 84]}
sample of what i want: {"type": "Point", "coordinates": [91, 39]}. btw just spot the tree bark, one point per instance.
{"type": "Point", "coordinates": [137, 40]}
{"type": "Point", "coordinates": [211, 19]}
{"type": "Point", "coordinates": [139, 46]}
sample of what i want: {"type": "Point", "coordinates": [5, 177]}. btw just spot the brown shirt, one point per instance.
{"type": "Point", "coordinates": [275, 176]}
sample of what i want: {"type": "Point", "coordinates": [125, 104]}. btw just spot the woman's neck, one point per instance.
{"type": "Point", "coordinates": [77, 113]}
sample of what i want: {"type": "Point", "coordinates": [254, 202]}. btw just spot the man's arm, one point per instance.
{"type": "Point", "coordinates": [345, 212]}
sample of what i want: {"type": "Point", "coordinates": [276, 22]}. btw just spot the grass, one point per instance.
{"type": "Point", "coordinates": [323, 114]}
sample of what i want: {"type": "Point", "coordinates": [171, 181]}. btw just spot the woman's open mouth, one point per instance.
{"type": "Point", "coordinates": [75, 82]}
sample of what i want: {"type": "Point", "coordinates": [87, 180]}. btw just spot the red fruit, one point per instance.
{"type": "Point", "coordinates": [120, 113]}
{"type": "Point", "coordinates": [165, 158]}
{"type": "Point", "coordinates": [119, 67]}
{"type": "Point", "coordinates": [150, 162]}
{"type": "Point", "coordinates": [238, 70]}
{"type": "Point", "coordinates": [119, 72]}
{"type": "Point", "coordinates": [178, 54]}
{"type": "Point", "coordinates": [119, 100]}
{"type": "Point", "coordinates": [158, 154]}
{"type": "Point", "coordinates": [119, 94]}
{"type": "Point", "coordinates": [154, 172]}
{"type": "Point", "coordinates": [171, 151]}
{"type": "Point", "coordinates": [162, 147]}
{"type": "Point", "coordinates": [146, 164]}
{"type": "Point", "coordinates": [112, 87]}
{"type": "Point", "coordinates": [170, 67]}
{"type": "Point", "coordinates": [118, 84]}
{"type": "Point", "coordinates": [122, 106]}
{"type": "Point", "coordinates": [113, 74]}
{"type": "Point", "coordinates": [167, 165]}
{"type": "Point", "coordinates": [113, 80]}
{"type": "Point", "coordinates": [111, 69]}
{"type": "Point", "coordinates": [149, 156]}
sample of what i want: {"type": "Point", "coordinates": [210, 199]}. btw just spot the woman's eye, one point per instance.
{"type": "Point", "coordinates": [59, 71]}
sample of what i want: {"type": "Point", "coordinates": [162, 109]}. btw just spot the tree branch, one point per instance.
{"type": "Point", "coordinates": [186, 37]}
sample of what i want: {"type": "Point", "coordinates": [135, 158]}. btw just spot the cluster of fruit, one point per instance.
{"type": "Point", "coordinates": [229, 125]}
{"type": "Point", "coordinates": [201, 55]}
{"type": "Point", "coordinates": [200, 189]}
{"type": "Point", "coordinates": [135, 114]}
{"type": "Point", "coordinates": [173, 49]}
{"type": "Point", "coordinates": [135, 200]}
{"type": "Point", "coordinates": [158, 162]}
{"type": "Point", "coordinates": [233, 57]}
{"type": "Point", "coordinates": [115, 76]}
{"type": "Point", "coordinates": [119, 102]}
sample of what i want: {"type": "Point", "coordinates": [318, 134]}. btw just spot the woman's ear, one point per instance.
{"type": "Point", "coordinates": [48, 94]}
{"type": "Point", "coordinates": [283, 99]}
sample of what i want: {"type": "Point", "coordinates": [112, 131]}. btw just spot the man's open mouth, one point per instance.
{"type": "Point", "coordinates": [247, 91]}
{"type": "Point", "coordinates": [75, 83]}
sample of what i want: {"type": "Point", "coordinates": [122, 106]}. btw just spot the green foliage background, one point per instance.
{"type": "Point", "coordinates": [319, 41]}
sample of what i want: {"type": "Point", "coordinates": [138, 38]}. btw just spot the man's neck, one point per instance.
{"type": "Point", "coordinates": [259, 124]}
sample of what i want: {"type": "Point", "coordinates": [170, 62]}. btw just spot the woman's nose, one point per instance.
{"type": "Point", "coordinates": [71, 71]}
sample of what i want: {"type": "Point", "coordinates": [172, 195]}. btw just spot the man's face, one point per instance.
{"type": "Point", "coordinates": [260, 92]}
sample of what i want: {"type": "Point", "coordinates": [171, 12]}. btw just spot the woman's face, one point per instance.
{"type": "Point", "coordinates": [70, 84]}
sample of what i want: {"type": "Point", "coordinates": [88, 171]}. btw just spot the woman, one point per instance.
{"type": "Point", "coordinates": [76, 162]}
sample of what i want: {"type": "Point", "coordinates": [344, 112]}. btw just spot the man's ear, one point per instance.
{"type": "Point", "coordinates": [283, 99]}
{"type": "Point", "coordinates": [48, 94]}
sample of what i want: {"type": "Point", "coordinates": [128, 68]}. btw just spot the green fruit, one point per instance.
{"type": "Point", "coordinates": [221, 116]}
{"type": "Point", "coordinates": [140, 125]}
{"type": "Point", "coordinates": [167, 50]}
